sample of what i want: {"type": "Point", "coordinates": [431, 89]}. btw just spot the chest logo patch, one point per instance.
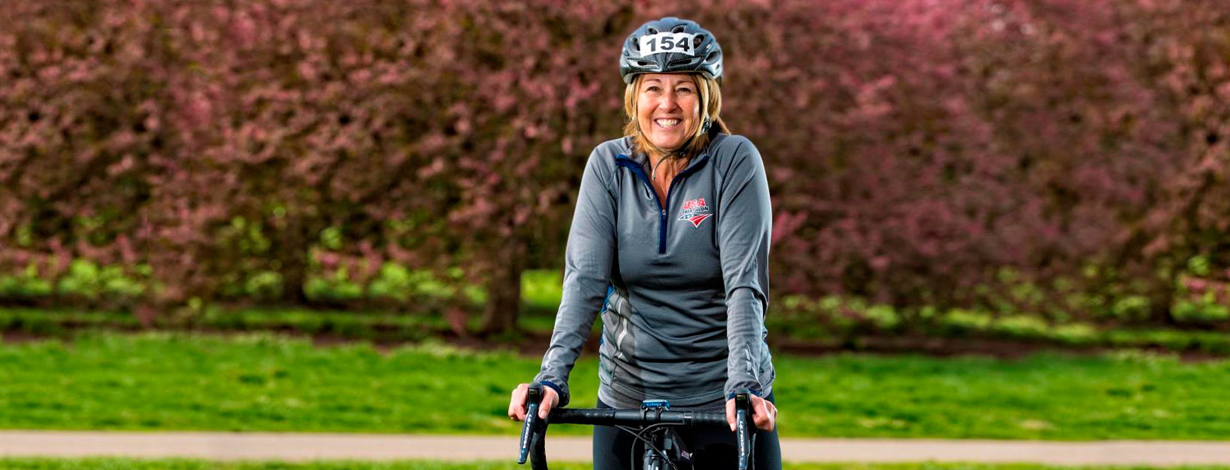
{"type": "Point", "coordinates": [695, 211]}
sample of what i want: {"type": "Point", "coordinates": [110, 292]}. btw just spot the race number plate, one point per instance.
{"type": "Point", "coordinates": [679, 43]}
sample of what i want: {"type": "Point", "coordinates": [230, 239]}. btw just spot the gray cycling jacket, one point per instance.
{"type": "Point", "coordinates": [682, 284]}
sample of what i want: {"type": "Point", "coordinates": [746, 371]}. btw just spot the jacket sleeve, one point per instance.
{"type": "Point", "coordinates": [587, 273]}
{"type": "Point", "coordinates": [745, 220]}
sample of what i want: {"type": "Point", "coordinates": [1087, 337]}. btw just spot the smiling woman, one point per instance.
{"type": "Point", "coordinates": [670, 242]}
{"type": "Point", "coordinates": [669, 118]}
{"type": "Point", "coordinates": [662, 103]}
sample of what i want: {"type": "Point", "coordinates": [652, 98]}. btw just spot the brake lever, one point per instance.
{"type": "Point", "coordinates": [530, 426]}
{"type": "Point", "coordinates": [743, 418]}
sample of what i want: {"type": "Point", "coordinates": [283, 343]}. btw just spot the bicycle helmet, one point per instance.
{"type": "Point", "coordinates": [670, 45]}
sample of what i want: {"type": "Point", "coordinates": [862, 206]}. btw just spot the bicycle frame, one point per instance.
{"type": "Point", "coordinates": [658, 421]}
{"type": "Point", "coordinates": [663, 449]}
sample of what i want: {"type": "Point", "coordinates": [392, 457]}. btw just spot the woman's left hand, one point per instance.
{"type": "Point", "coordinates": [764, 413]}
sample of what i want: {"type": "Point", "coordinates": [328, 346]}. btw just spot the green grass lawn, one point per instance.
{"type": "Point", "coordinates": [167, 381]}
{"type": "Point", "coordinates": [134, 464]}
{"type": "Point", "coordinates": [538, 317]}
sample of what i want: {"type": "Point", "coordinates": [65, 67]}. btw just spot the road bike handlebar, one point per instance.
{"type": "Point", "coordinates": [534, 430]}
{"type": "Point", "coordinates": [613, 417]}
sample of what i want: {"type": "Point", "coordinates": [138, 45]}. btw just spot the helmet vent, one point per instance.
{"type": "Point", "coordinates": [636, 46]}
{"type": "Point", "coordinates": [697, 39]}
{"type": "Point", "coordinates": [712, 56]}
{"type": "Point", "coordinates": [679, 29]}
{"type": "Point", "coordinates": [652, 30]}
{"type": "Point", "coordinates": [682, 62]}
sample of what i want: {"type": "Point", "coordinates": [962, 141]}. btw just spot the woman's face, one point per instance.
{"type": "Point", "coordinates": [668, 109]}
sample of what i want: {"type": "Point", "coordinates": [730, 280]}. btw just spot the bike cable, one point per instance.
{"type": "Point", "coordinates": [661, 452]}
{"type": "Point", "coordinates": [639, 436]}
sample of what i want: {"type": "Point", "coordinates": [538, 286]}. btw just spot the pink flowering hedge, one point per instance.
{"type": "Point", "coordinates": [920, 152]}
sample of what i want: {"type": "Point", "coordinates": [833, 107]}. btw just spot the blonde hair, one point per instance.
{"type": "Point", "coordinates": [710, 108]}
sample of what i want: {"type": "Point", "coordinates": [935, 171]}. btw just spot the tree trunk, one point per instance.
{"type": "Point", "coordinates": [504, 291]}
{"type": "Point", "coordinates": [1161, 294]}
{"type": "Point", "coordinates": [293, 256]}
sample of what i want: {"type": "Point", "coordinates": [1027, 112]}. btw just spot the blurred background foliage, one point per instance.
{"type": "Point", "coordinates": [1048, 169]}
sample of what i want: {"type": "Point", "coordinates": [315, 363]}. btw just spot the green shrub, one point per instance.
{"type": "Point", "coordinates": [337, 286]}
{"type": "Point", "coordinates": [962, 321]}
{"type": "Point", "coordinates": [1205, 308]}
{"type": "Point", "coordinates": [87, 279]}
{"type": "Point", "coordinates": [263, 285]}
{"type": "Point", "coordinates": [1022, 326]}
{"type": "Point", "coordinates": [26, 284]}
{"type": "Point", "coordinates": [1133, 307]}
{"type": "Point", "coordinates": [542, 287]}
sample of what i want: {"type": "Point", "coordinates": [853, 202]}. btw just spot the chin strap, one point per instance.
{"type": "Point", "coordinates": [653, 171]}
{"type": "Point", "coordinates": [704, 128]}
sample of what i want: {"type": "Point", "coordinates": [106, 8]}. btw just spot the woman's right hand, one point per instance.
{"type": "Point", "coordinates": [517, 405]}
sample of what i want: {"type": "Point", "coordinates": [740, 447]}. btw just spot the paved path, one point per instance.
{"type": "Point", "coordinates": [266, 446]}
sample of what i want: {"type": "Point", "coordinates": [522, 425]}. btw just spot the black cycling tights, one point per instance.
{"type": "Point", "coordinates": [713, 449]}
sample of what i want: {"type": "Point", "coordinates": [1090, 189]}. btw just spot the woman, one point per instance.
{"type": "Point", "coordinates": [670, 241]}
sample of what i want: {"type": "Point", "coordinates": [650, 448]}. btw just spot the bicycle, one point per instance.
{"type": "Point", "coordinates": [653, 425]}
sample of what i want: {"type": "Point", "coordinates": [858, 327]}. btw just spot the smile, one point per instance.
{"type": "Point", "coordinates": [667, 123]}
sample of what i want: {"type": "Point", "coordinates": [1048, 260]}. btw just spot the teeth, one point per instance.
{"type": "Point", "coordinates": [667, 122]}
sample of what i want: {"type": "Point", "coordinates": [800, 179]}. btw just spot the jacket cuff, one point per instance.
{"type": "Point", "coordinates": [560, 388]}
{"type": "Point", "coordinates": [755, 391]}
{"type": "Point", "coordinates": [549, 384]}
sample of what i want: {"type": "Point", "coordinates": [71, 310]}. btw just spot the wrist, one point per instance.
{"type": "Point", "coordinates": [552, 385]}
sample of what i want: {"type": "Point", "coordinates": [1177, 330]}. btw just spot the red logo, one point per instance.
{"type": "Point", "coordinates": [695, 211]}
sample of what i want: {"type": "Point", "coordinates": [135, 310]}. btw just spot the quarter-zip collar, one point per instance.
{"type": "Point", "coordinates": [638, 168]}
